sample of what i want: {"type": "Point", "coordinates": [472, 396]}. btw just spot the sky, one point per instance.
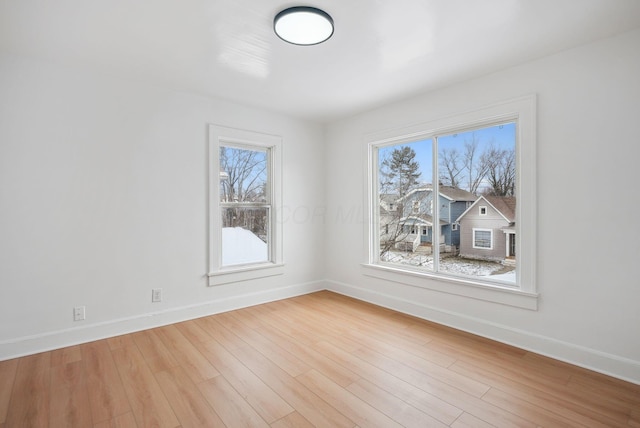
{"type": "Point", "coordinates": [503, 136]}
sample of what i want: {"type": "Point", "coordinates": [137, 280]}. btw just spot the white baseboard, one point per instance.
{"type": "Point", "coordinates": [612, 365]}
{"type": "Point", "coordinates": [89, 332]}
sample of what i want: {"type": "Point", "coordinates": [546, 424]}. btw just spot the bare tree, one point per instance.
{"type": "Point", "coordinates": [243, 186]}
{"type": "Point", "coordinates": [245, 175]}
{"type": "Point", "coordinates": [391, 233]}
{"type": "Point", "coordinates": [475, 164]}
{"type": "Point", "coordinates": [501, 171]}
{"type": "Point", "coordinates": [466, 168]}
{"type": "Point", "coordinates": [451, 166]}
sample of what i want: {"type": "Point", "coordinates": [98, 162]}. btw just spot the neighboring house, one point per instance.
{"type": "Point", "coordinates": [388, 219]}
{"type": "Point", "coordinates": [488, 229]}
{"type": "Point", "coordinates": [414, 213]}
{"type": "Point", "coordinates": [453, 202]}
{"type": "Point", "coordinates": [389, 202]}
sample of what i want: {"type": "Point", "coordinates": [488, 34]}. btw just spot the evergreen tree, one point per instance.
{"type": "Point", "coordinates": [400, 172]}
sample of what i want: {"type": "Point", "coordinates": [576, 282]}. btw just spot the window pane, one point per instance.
{"type": "Point", "coordinates": [245, 235]}
{"type": "Point", "coordinates": [477, 172]}
{"type": "Point", "coordinates": [243, 175]}
{"type": "Point", "coordinates": [405, 172]}
{"type": "Point", "coordinates": [482, 239]}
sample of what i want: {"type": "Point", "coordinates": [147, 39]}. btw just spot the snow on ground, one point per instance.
{"type": "Point", "coordinates": [453, 265]}
{"type": "Point", "coordinates": [241, 246]}
{"type": "Point", "coordinates": [506, 277]}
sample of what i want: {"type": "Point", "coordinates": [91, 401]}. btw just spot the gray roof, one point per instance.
{"type": "Point", "coordinates": [457, 194]}
{"type": "Point", "coordinates": [417, 218]}
{"type": "Point", "coordinates": [389, 197]}
{"type": "Point", "coordinates": [505, 204]}
{"type": "Point", "coordinates": [453, 193]}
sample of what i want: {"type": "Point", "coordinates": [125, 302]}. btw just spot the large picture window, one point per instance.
{"type": "Point", "coordinates": [452, 169]}
{"type": "Point", "coordinates": [468, 184]}
{"type": "Point", "coordinates": [245, 238]}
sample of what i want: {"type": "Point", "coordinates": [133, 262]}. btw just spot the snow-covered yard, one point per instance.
{"type": "Point", "coordinates": [453, 265]}
{"type": "Point", "coordinates": [241, 246]}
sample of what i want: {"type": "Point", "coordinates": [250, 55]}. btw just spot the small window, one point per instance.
{"type": "Point", "coordinates": [483, 210]}
{"type": "Point", "coordinates": [416, 207]}
{"type": "Point", "coordinates": [245, 205]}
{"type": "Point", "coordinates": [454, 226]}
{"type": "Point", "coordinates": [483, 239]}
{"type": "Point", "coordinates": [245, 238]}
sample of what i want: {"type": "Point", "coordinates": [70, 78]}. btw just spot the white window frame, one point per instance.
{"type": "Point", "coordinates": [524, 293]}
{"type": "Point", "coordinates": [473, 237]}
{"type": "Point", "coordinates": [482, 210]}
{"type": "Point", "coordinates": [238, 138]}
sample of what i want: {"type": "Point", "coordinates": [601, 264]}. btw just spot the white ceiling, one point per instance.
{"type": "Point", "coordinates": [381, 51]}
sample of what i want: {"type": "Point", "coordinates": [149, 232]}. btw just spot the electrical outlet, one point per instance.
{"type": "Point", "coordinates": [156, 295]}
{"type": "Point", "coordinates": [78, 313]}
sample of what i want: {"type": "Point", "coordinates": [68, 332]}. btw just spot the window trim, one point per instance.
{"type": "Point", "coordinates": [524, 294]}
{"type": "Point", "coordinates": [482, 210]}
{"type": "Point", "coordinates": [238, 138]}
{"type": "Point", "coordinates": [476, 229]}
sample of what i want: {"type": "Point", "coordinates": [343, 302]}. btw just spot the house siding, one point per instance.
{"type": "Point", "coordinates": [457, 208]}
{"type": "Point", "coordinates": [493, 221]}
{"type": "Point", "coordinates": [450, 210]}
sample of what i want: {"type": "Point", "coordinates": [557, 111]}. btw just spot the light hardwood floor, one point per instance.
{"type": "Point", "coordinates": [316, 360]}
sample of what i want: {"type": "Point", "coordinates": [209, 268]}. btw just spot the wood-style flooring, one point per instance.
{"type": "Point", "coordinates": [320, 360]}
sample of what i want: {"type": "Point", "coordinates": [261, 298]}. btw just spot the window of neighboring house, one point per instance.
{"type": "Point", "coordinates": [245, 195]}
{"type": "Point", "coordinates": [416, 207]}
{"type": "Point", "coordinates": [489, 152]}
{"type": "Point", "coordinates": [483, 239]}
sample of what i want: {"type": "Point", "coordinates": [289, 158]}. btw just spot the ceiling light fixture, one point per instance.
{"type": "Point", "coordinates": [303, 25]}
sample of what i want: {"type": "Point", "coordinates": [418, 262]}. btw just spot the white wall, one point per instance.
{"type": "Point", "coordinates": [588, 201]}
{"type": "Point", "coordinates": [103, 196]}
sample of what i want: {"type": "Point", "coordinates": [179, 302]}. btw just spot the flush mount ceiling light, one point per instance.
{"type": "Point", "coordinates": [303, 25]}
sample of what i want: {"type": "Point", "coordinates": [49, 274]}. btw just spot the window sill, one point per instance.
{"type": "Point", "coordinates": [244, 273]}
{"type": "Point", "coordinates": [458, 286]}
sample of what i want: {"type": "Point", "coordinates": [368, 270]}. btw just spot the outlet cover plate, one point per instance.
{"type": "Point", "coordinates": [78, 313]}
